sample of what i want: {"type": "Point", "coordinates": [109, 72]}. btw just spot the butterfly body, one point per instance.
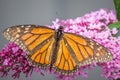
{"type": "Point", "coordinates": [58, 36]}
{"type": "Point", "coordinates": [60, 51]}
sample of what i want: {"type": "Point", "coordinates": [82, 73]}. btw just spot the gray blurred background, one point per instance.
{"type": "Point", "coordinates": [15, 12]}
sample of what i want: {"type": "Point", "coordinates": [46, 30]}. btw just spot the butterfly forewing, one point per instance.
{"type": "Point", "coordinates": [36, 41]}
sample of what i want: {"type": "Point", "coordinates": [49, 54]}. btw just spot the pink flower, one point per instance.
{"type": "Point", "coordinates": [12, 58]}
{"type": "Point", "coordinates": [5, 62]}
{"type": "Point", "coordinates": [114, 31]}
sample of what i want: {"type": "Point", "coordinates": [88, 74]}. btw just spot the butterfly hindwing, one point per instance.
{"type": "Point", "coordinates": [64, 63]}
{"type": "Point", "coordinates": [42, 57]}
{"type": "Point", "coordinates": [36, 41]}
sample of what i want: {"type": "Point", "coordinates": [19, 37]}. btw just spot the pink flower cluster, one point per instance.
{"type": "Point", "coordinates": [13, 58]}
{"type": "Point", "coordinates": [93, 25]}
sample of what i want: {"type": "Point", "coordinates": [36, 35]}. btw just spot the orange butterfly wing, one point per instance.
{"type": "Point", "coordinates": [36, 41]}
{"type": "Point", "coordinates": [75, 51]}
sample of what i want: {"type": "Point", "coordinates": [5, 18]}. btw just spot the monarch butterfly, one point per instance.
{"type": "Point", "coordinates": [56, 50]}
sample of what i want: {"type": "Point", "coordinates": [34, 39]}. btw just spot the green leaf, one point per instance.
{"type": "Point", "coordinates": [118, 79]}
{"type": "Point", "coordinates": [115, 25]}
{"type": "Point", "coordinates": [117, 7]}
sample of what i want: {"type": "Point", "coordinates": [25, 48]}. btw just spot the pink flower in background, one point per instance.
{"type": "Point", "coordinates": [114, 31]}
{"type": "Point", "coordinates": [13, 58]}
{"type": "Point", "coordinates": [93, 25]}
